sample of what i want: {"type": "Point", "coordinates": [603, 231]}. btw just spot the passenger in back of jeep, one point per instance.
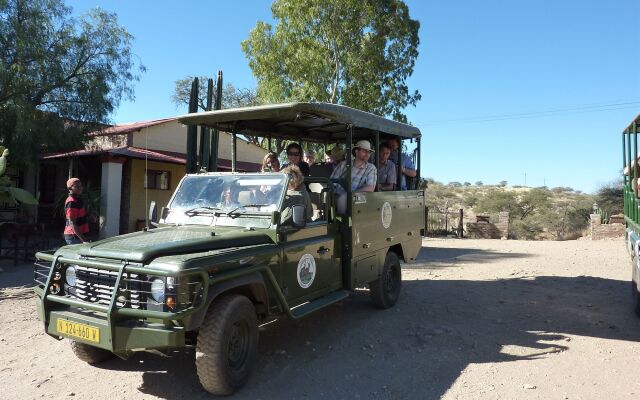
{"type": "Point", "coordinates": [387, 172]}
{"type": "Point", "coordinates": [363, 174]}
{"type": "Point", "coordinates": [296, 195]}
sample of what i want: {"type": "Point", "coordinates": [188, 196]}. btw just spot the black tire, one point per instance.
{"type": "Point", "coordinates": [636, 298]}
{"type": "Point", "coordinates": [635, 294]}
{"type": "Point", "coordinates": [90, 354]}
{"type": "Point", "coordinates": [385, 290]}
{"type": "Point", "coordinates": [227, 345]}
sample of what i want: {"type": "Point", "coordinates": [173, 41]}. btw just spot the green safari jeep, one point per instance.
{"type": "Point", "coordinates": [208, 272]}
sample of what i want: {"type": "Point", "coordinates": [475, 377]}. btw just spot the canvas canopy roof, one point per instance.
{"type": "Point", "coordinates": [302, 121]}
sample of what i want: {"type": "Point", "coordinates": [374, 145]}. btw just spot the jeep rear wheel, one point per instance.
{"type": "Point", "coordinates": [385, 290]}
{"type": "Point", "coordinates": [90, 354]}
{"type": "Point", "coordinates": [227, 345]}
{"type": "Point", "coordinates": [635, 295]}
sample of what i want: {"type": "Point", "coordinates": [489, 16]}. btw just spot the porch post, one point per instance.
{"type": "Point", "coordinates": [110, 193]}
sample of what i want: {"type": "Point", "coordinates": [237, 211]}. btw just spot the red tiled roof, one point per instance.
{"type": "Point", "coordinates": [127, 128]}
{"type": "Point", "coordinates": [153, 155]}
{"type": "Point", "coordinates": [126, 151]}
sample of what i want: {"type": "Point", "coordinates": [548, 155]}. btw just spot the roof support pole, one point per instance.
{"type": "Point", "coordinates": [205, 133]}
{"type": "Point", "coordinates": [399, 166]}
{"type": "Point", "coordinates": [419, 140]}
{"type": "Point", "coordinates": [215, 134]}
{"type": "Point", "coordinates": [624, 176]}
{"type": "Point", "coordinates": [234, 151]}
{"type": "Point", "coordinates": [635, 159]}
{"type": "Point", "coordinates": [349, 166]}
{"type": "Point", "coordinates": [377, 161]}
{"type": "Point", "coordinates": [631, 182]}
{"type": "Point", "coordinates": [192, 130]}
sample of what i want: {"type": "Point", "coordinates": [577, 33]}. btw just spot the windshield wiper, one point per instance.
{"type": "Point", "coordinates": [234, 211]}
{"type": "Point", "coordinates": [256, 205]}
{"type": "Point", "coordinates": [201, 210]}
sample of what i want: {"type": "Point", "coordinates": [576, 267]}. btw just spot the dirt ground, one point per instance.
{"type": "Point", "coordinates": [485, 319]}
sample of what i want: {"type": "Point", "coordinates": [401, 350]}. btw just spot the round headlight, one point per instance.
{"type": "Point", "coordinates": [70, 275]}
{"type": "Point", "coordinates": [157, 290]}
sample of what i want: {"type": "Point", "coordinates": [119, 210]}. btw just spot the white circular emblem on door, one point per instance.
{"type": "Point", "coordinates": [306, 271]}
{"type": "Point", "coordinates": [386, 215]}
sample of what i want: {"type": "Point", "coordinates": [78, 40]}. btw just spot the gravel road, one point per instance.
{"type": "Point", "coordinates": [477, 319]}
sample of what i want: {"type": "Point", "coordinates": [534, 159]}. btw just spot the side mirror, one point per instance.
{"type": "Point", "coordinates": [164, 213]}
{"type": "Point", "coordinates": [275, 217]}
{"type": "Point", "coordinates": [299, 217]}
{"type": "Point", "coordinates": [153, 214]}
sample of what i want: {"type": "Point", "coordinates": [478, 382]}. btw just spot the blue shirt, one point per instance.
{"type": "Point", "coordinates": [406, 163]}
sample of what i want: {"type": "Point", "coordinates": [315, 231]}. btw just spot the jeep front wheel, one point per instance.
{"type": "Point", "coordinates": [386, 289]}
{"type": "Point", "coordinates": [90, 354]}
{"type": "Point", "coordinates": [227, 345]}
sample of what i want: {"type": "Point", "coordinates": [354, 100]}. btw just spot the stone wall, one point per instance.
{"type": "Point", "coordinates": [600, 231]}
{"type": "Point", "coordinates": [484, 228]}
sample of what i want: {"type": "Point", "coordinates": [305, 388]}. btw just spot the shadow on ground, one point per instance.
{"type": "Point", "coordinates": [438, 258]}
{"type": "Point", "coordinates": [19, 275]}
{"type": "Point", "coordinates": [418, 348]}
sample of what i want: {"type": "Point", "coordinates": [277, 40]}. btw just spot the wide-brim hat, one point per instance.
{"type": "Point", "coordinates": [364, 145]}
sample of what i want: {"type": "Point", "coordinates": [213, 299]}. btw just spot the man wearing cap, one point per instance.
{"type": "Point", "coordinates": [363, 174]}
{"type": "Point", "coordinates": [76, 226]}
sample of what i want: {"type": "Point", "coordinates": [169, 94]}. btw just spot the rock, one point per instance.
{"type": "Point", "coordinates": [529, 386]}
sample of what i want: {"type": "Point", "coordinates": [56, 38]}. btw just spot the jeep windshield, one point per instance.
{"type": "Point", "coordinates": [226, 199]}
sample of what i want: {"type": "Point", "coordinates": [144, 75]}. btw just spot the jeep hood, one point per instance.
{"type": "Point", "coordinates": [147, 245]}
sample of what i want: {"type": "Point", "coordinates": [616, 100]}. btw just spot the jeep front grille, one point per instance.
{"type": "Point", "coordinates": [94, 285]}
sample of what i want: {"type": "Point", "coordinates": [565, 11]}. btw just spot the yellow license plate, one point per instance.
{"type": "Point", "coordinates": [80, 331]}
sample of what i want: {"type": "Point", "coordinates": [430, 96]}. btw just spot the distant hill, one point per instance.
{"type": "Point", "coordinates": [534, 213]}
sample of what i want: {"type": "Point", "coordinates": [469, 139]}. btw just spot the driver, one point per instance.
{"type": "Point", "coordinates": [228, 198]}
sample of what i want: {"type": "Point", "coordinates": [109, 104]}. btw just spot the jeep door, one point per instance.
{"type": "Point", "coordinates": [310, 268]}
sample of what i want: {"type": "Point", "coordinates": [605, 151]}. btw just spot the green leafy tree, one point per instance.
{"type": "Point", "coordinates": [610, 198]}
{"type": "Point", "coordinates": [350, 52]}
{"type": "Point", "coordinates": [497, 200]}
{"type": "Point", "coordinates": [59, 76]}
{"type": "Point", "coordinates": [534, 200]}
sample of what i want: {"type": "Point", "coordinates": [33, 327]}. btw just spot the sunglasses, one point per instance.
{"type": "Point", "coordinates": [293, 154]}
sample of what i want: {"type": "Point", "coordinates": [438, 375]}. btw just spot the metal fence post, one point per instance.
{"type": "Point", "coordinates": [426, 220]}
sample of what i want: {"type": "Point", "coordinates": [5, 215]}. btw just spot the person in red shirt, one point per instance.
{"type": "Point", "coordinates": [76, 226]}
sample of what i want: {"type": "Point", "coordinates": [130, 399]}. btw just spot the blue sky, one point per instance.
{"type": "Point", "coordinates": [509, 88]}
